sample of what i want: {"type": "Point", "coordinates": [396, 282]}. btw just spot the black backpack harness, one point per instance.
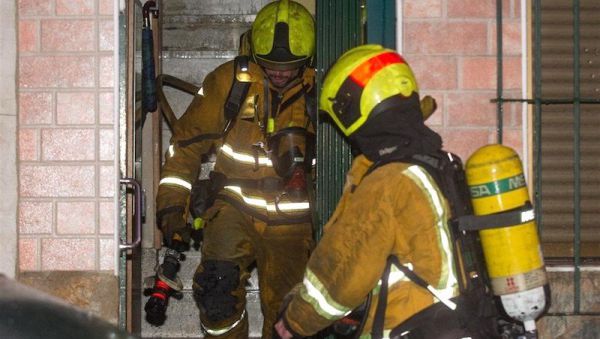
{"type": "Point", "coordinates": [475, 313]}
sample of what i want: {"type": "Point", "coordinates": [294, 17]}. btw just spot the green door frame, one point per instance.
{"type": "Point", "coordinates": [341, 25]}
{"type": "Point", "coordinates": [381, 22]}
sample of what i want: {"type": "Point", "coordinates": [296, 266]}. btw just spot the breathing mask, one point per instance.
{"type": "Point", "coordinates": [292, 151]}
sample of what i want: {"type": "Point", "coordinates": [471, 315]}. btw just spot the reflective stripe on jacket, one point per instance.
{"type": "Point", "coordinates": [395, 210]}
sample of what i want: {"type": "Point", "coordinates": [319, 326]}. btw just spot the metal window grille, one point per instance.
{"type": "Point", "coordinates": [566, 137]}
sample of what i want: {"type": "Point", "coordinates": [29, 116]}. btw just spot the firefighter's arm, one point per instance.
{"type": "Point", "coordinates": [197, 130]}
{"type": "Point", "coordinates": [347, 262]}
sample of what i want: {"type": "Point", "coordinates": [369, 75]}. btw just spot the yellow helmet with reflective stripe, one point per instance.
{"type": "Point", "coordinates": [361, 79]}
{"type": "Point", "coordinates": [283, 35]}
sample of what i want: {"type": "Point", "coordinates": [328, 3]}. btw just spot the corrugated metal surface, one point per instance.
{"type": "Point", "coordinates": [338, 29]}
{"type": "Point", "coordinates": [560, 202]}
{"type": "Point", "coordinates": [381, 19]}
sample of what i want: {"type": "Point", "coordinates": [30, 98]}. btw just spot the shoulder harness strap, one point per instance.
{"type": "Point", "coordinates": [377, 331]}
{"type": "Point", "coordinates": [238, 90]}
{"type": "Point", "coordinates": [310, 97]}
{"type": "Point", "coordinates": [237, 94]}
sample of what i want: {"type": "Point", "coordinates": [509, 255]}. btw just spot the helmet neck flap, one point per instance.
{"type": "Point", "coordinates": [395, 130]}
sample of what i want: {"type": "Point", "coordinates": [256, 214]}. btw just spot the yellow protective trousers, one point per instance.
{"type": "Point", "coordinates": [233, 241]}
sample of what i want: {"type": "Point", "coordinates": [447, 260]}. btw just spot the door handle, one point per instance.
{"type": "Point", "coordinates": [137, 198]}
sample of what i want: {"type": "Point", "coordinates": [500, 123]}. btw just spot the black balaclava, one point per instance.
{"type": "Point", "coordinates": [396, 130]}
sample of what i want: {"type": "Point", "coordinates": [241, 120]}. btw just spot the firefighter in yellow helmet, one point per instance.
{"type": "Point", "coordinates": [256, 114]}
{"type": "Point", "coordinates": [389, 208]}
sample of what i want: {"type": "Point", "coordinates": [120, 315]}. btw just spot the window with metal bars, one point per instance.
{"type": "Point", "coordinates": [566, 60]}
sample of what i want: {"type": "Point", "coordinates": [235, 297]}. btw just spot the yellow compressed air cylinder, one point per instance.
{"type": "Point", "coordinates": [513, 253]}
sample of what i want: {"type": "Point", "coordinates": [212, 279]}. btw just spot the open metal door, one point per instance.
{"type": "Point", "coordinates": [135, 75]}
{"type": "Point", "coordinates": [342, 25]}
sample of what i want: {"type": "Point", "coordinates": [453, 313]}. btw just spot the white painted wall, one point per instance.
{"type": "Point", "coordinates": [8, 140]}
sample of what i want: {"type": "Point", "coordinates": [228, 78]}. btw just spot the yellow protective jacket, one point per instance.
{"type": "Point", "coordinates": [398, 210]}
{"type": "Point", "coordinates": [238, 153]}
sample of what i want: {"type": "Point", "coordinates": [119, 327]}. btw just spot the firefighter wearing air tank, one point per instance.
{"type": "Point", "coordinates": [390, 207]}
{"type": "Point", "coordinates": [255, 113]}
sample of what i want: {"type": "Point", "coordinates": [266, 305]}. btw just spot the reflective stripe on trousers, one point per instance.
{"type": "Point", "coordinates": [223, 330]}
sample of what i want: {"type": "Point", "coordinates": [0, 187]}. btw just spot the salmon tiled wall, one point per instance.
{"type": "Point", "coordinates": [66, 147]}
{"type": "Point", "coordinates": [451, 46]}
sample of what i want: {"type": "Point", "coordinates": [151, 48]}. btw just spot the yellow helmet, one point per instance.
{"type": "Point", "coordinates": [283, 35]}
{"type": "Point", "coordinates": [360, 80]}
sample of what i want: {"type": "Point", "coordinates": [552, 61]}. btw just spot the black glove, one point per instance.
{"type": "Point", "coordinates": [197, 235]}
{"type": "Point", "coordinates": [176, 233]}
{"type": "Point", "coordinates": [177, 244]}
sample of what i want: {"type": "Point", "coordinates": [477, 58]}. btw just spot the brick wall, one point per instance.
{"type": "Point", "coordinates": [451, 46]}
{"type": "Point", "coordinates": [65, 135]}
